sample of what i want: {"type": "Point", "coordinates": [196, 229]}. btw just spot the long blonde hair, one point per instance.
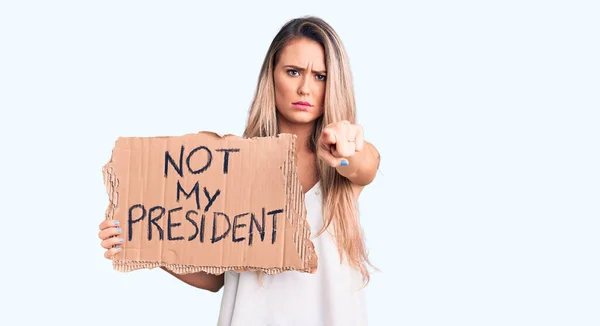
{"type": "Point", "coordinates": [339, 204]}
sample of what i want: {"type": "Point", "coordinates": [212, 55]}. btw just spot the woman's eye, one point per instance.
{"type": "Point", "coordinates": [292, 72]}
{"type": "Point", "coordinates": [321, 77]}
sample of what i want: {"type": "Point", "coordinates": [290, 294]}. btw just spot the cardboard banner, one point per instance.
{"type": "Point", "coordinates": [205, 202]}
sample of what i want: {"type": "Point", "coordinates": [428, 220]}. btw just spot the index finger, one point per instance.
{"type": "Point", "coordinates": [328, 137]}
{"type": "Point", "coordinates": [108, 223]}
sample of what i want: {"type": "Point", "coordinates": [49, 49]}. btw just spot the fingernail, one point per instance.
{"type": "Point", "coordinates": [344, 163]}
{"type": "Point", "coordinates": [116, 222]}
{"type": "Point", "coordinates": [117, 248]}
{"type": "Point", "coordinates": [119, 230]}
{"type": "Point", "coordinates": [121, 240]}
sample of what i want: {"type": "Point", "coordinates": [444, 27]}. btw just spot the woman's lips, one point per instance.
{"type": "Point", "coordinates": [303, 106]}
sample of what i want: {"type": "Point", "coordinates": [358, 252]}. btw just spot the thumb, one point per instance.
{"type": "Point", "coordinates": [326, 156]}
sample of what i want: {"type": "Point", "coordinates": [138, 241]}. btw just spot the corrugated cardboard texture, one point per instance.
{"type": "Point", "coordinates": [205, 202]}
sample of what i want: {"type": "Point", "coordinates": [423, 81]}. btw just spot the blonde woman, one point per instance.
{"type": "Point", "coordinates": [305, 88]}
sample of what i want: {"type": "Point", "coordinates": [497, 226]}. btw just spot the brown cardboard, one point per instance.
{"type": "Point", "coordinates": [254, 176]}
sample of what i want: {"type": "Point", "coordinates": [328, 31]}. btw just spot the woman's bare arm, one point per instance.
{"type": "Point", "coordinates": [201, 280]}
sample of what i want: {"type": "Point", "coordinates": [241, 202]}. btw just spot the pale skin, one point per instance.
{"type": "Point", "coordinates": [299, 75]}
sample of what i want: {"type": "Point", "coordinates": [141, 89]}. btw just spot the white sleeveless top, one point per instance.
{"type": "Point", "coordinates": [333, 296]}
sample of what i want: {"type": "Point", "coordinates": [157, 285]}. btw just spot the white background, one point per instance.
{"type": "Point", "coordinates": [486, 207]}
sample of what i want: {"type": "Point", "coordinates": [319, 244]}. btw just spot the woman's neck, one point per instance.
{"type": "Point", "coordinates": [307, 169]}
{"type": "Point", "coordinates": [302, 131]}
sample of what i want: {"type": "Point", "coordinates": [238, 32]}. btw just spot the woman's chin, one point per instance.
{"type": "Point", "coordinates": [299, 117]}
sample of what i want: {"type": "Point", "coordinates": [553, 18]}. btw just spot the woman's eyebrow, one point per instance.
{"type": "Point", "coordinates": [322, 72]}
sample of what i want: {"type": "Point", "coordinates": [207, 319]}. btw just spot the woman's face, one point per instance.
{"type": "Point", "coordinates": [299, 78]}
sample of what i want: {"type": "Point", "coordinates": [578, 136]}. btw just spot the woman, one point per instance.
{"type": "Point", "coordinates": [305, 88]}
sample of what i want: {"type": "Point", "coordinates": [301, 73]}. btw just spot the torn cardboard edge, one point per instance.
{"type": "Point", "coordinates": [295, 213]}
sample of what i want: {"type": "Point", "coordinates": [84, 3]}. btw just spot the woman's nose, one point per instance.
{"type": "Point", "coordinates": [304, 87]}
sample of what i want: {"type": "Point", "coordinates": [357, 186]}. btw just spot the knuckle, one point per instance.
{"type": "Point", "coordinates": [105, 234]}
{"type": "Point", "coordinates": [106, 244]}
